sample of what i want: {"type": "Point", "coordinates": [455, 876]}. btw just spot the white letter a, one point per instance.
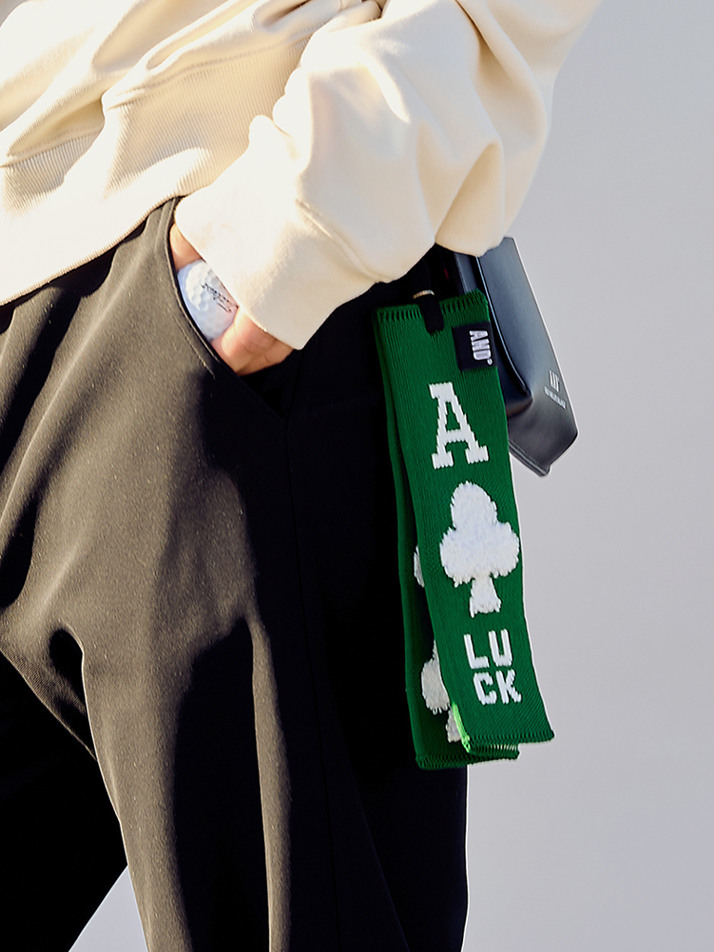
{"type": "Point", "coordinates": [444, 393]}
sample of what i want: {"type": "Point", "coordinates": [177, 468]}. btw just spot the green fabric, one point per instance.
{"type": "Point", "coordinates": [467, 648]}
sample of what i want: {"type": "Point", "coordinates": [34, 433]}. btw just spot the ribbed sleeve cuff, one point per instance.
{"type": "Point", "coordinates": [281, 265]}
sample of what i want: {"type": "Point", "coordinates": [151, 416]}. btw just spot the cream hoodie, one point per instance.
{"type": "Point", "coordinates": [321, 145]}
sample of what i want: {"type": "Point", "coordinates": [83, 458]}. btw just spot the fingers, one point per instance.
{"type": "Point", "coordinates": [246, 347]}
{"type": "Point", "coordinates": [182, 251]}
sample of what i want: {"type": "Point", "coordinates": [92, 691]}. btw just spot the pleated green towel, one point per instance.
{"type": "Point", "coordinates": [471, 687]}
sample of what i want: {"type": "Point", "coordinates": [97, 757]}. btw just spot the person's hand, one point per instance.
{"type": "Point", "coordinates": [244, 346]}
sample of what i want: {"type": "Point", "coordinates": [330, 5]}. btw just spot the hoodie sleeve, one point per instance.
{"type": "Point", "coordinates": [423, 121]}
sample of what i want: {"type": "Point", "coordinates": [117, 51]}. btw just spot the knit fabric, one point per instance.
{"type": "Point", "coordinates": [322, 145]}
{"type": "Point", "coordinates": [470, 682]}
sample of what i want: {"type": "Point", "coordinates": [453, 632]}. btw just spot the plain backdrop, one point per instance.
{"type": "Point", "coordinates": [601, 841]}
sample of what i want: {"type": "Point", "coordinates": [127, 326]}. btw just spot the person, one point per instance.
{"type": "Point", "coordinates": [201, 660]}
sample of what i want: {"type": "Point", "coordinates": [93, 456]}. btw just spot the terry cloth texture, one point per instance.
{"type": "Point", "coordinates": [468, 655]}
{"type": "Point", "coordinates": [198, 581]}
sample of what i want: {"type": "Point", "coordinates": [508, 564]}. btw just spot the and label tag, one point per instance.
{"type": "Point", "coordinates": [474, 346]}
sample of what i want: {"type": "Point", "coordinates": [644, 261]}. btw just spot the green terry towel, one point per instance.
{"type": "Point", "coordinates": [471, 687]}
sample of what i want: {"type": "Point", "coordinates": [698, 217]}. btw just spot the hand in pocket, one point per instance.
{"type": "Point", "coordinates": [244, 345]}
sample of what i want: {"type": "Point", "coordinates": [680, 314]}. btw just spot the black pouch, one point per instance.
{"type": "Point", "coordinates": [541, 425]}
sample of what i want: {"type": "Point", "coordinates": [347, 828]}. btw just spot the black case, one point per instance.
{"type": "Point", "coordinates": [541, 425]}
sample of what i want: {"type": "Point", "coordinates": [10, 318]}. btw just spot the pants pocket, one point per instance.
{"type": "Point", "coordinates": [273, 386]}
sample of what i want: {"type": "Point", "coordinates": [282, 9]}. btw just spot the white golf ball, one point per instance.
{"type": "Point", "coordinates": [206, 298]}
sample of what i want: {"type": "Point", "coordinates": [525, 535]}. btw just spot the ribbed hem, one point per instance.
{"type": "Point", "coordinates": [72, 202]}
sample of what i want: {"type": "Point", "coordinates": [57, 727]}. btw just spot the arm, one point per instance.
{"type": "Point", "coordinates": [425, 123]}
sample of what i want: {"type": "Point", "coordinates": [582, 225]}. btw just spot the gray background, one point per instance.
{"type": "Point", "coordinates": [602, 840]}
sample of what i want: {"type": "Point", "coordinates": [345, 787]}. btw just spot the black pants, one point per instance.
{"type": "Point", "coordinates": [201, 662]}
